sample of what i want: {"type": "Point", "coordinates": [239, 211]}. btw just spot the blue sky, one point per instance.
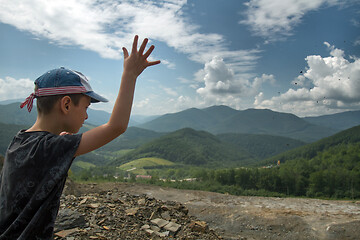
{"type": "Point", "coordinates": [295, 56]}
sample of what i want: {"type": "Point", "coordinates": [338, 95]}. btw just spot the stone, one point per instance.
{"type": "Point", "coordinates": [83, 201]}
{"type": "Point", "coordinates": [149, 232]}
{"type": "Point", "coordinates": [69, 219]}
{"type": "Point", "coordinates": [172, 227]}
{"type": "Point", "coordinates": [160, 222]}
{"type": "Point", "coordinates": [114, 214]}
{"type": "Point", "coordinates": [198, 226]}
{"type": "Point", "coordinates": [145, 226]}
{"type": "Point", "coordinates": [155, 228]}
{"type": "Point", "coordinates": [131, 211]}
{"type": "Point", "coordinates": [141, 201]}
{"type": "Point", "coordinates": [93, 205]}
{"type": "Point", "coordinates": [65, 233]}
{"type": "Point", "coordinates": [166, 216]}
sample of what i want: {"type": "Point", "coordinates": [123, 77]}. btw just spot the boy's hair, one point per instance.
{"type": "Point", "coordinates": [44, 105]}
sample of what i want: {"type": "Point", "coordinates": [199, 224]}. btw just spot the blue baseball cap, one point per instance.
{"type": "Point", "coordinates": [62, 81]}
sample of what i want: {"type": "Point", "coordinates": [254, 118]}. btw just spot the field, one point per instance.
{"type": "Point", "coordinates": [138, 166]}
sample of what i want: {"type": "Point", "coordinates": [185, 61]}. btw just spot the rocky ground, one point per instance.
{"type": "Point", "coordinates": [137, 211]}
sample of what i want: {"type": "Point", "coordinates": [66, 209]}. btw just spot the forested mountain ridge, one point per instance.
{"type": "Point", "coordinates": [349, 136]}
{"type": "Point", "coordinates": [216, 120]}
{"type": "Point", "coordinates": [339, 121]}
{"type": "Point", "coordinates": [222, 119]}
{"type": "Point", "coordinates": [259, 145]}
{"type": "Point", "coordinates": [7, 132]}
{"type": "Point", "coordinates": [191, 147]}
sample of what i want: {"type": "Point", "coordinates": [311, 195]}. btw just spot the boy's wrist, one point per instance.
{"type": "Point", "coordinates": [129, 76]}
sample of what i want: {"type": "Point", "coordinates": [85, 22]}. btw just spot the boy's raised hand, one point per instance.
{"type": "Point", "coordinates": [136, 62]}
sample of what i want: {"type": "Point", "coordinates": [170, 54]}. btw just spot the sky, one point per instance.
{"type": "Point", "coordinates": [293, 56]}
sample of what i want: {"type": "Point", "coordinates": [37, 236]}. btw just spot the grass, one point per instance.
{"type": "Point", "coordinates": [137, 166]}
{"type": "Point", "coordinates": [84, 165]}
{"type": "Point", "coordinates": [122, 152]}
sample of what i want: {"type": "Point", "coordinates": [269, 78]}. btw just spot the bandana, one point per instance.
{"type": "Point", "coordinates": [41, 92]}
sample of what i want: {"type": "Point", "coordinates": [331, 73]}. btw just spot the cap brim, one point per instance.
{"type": "Point", "coordinates": [96, 97]}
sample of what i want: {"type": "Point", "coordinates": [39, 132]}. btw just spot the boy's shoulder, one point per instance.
{"type": "Point", "coordinates": [42, 143]}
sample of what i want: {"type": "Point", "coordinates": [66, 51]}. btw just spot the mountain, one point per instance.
{"type": "Point", "coordinates": [6, 102]}
{"type": "Point", "coordinates": [140, 119]}
{"type": "Point", "coordinates": [13, 114]}
{"type": "Point", "coordinates": [191, 147]}
{"type": "Point", "coordinates": [132, 138]}
{"type": "Point", "coordinates": [223, 119]}
{"type": "Point", "coordinates": [7, 132]}
{"type": "Point", "coordinates": [349, 136]}
{"type": "Point", "coordinates": [97, 117]}
{"type": "Point", "coordinates": [260, 146]}
{"type": "Point", "coordinates": [340, 121]}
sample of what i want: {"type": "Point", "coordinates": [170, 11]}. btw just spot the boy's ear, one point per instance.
{"type": "Point", "coordinates": [65, 104]}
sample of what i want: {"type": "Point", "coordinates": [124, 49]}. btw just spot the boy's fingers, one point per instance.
{"type": "Point", "coordinates": [134, 47]}
{"type": "Point", "coordinates": [149, 51]}
{"type": "Point", "coordinates": [143, 45]}
{"type": "Point", "coordinates": [126, 53]}
{"type": "Point", "coordinates": [153, 63]}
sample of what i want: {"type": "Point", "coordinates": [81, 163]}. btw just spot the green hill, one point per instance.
{"type": "Point", "coordinates": [190, 147]}
{"type": "Point", "coordinates": [264, 121]}
{"type": "Point", "coordinates": [7, 132]}
{"type": "Point", "coordinates": [222, 119]}
{"type": "Point", "coordinates": [190, 118]}
{"type": "Point", "coordinates": [132, 138]}
{"type": "Point", "coordinates": [140, 166]}
{"type": "Point", "coordinates": [339, 121]}
{"type": "Point", "coordinates": [349, 136]}
{"type": "Point", "coordinates": [13, 114]}
{"type": "Point", "coordinates": [260, 146]}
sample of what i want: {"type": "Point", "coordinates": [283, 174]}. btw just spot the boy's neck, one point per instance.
{"type": "Point", "coordinates": [48, 123]}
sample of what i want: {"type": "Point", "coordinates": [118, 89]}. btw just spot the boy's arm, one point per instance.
{"type": "Point", "coordinates": [134, 65]}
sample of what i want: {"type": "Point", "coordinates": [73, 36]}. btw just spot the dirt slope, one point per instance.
{"type": "Point", "coordinates": [239, 217]}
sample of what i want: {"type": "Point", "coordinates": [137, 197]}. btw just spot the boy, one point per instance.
{"type": "Point", "coordinates": [38, 159]}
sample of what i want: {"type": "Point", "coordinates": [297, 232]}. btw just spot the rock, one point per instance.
{"type": "Point", "coordinates": [198, 226]}
{"type": "Point", "coordinates": [142, 201]}
{"type": "Point", "coordinates": [93, 205]}
{"type": "Point", "coordinates": [65, 233]}
{"type": "Point", "coordinates": [160, 222]}
{"type": "Point", "coordinates": [155, 228]}
{"type": "Point", "coordinates": [118, 215]}
{"type": "Point", "coordinates": [131, 211]}
{"type": "Point", "coordinates": [166, 216]}
{"type": "Point", "coordinates": [69, 219]}
{"type": "Point", "coordinates": [172, 227]}
{"type": "Point", "coordinates": [146, 226]}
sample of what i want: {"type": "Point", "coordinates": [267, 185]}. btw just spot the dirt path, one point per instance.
{"type": "Point", "coordinates": [239, 217]}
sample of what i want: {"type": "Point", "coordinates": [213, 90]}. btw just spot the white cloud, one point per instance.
{"type": "Point", "coordinates": [275, 19]}
{"type": "Point", "coordinates": [106, 26]}
{"type": "Point", "coordinates": [336, 87]}
{"type": "Point", "coordinates": [357, 42]}
{"type": "Point", "coordinates": [169, 64]}
{"type": "Point", "coordinates": [142, 103]}
{"type": "Point", "coordinates": [162, 105]}
{"type": "Point", "coordinates": [11, 88]}
{"type": "Point", "coordinates": [169, 91]}
{"type": "Point", "coordinates": [223, 86]}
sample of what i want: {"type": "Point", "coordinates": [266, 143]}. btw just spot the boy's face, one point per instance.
{"type": "Point", "coordinates": [78, 114]}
